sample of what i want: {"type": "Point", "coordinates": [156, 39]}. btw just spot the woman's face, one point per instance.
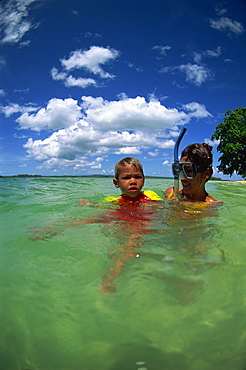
{"type": "Point", "coordinates": [195, 185]}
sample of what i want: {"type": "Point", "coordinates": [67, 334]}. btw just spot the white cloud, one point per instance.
{"type": "Point", "coordinates": [58, 75]}
{"type": "Point", "coordinates": [220, 10]}
{"type": "Point", "coordinates": [68, 142]}
{"type": "Point", "coordinates": [153, 154]}
{"type": "Point", "coordinates": [212, 142]}
{"type": "Point", "coordinates": [130, 114]}
{"type": "Point", "coordinates": [75, 12]}
{"type": "Point", "coordinates": [2, 62]}
{"type": "Point", "coordinates": [13, 108]}
{"type": "Point", "coordinates": [196, 74]}
{"type": "Point", "coordinates": [227, 25]}
{"type": "Point", "coordinates": [167, 144]}
{"type": "Point", "coordinates": [71, 142]}
{"type": "Point", "coordinates": [58, 114]}
{"type": "Point", "coordinates": [91, 60]}
{"type": "Point", "coordinates": [96, 166]}
{"type": "Point", "coordinates": [20, 136]}
{"type": "Point", "coordinates": [70, 81]}
{"type": "Point", "coordinates": [97, 127]}
{"type": "Point", "coordinates": [12, 22]}
{"type": "Point", "coordinates": [207, 54]}
{"type": "Point", "coordinates": [166, 163]}
{"type": "Point", "coordinates": [162, 49]}
{"type": "Point", "coordinates": [196, 110]}
{"type": "Point", "coordinates": [213, 53]}
{"type": "Point", "coordinates": [197, 57]}
{"type": "Point", "coordinates": [132, 65]}
{"type": "Point", "coordinates": [94, 35]}
{"type": "Point", "coordinates": [2, 92]}
{"type": "Point", "coordinates": [128, 150]}
{"type": "Point", "coordinates": [80, 82]}
{"type": "Point", "coordinates": [25, 91]}
{"type": "Point", "coordinates": [78, 164]}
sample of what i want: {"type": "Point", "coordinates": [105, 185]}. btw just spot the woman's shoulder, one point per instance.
{"type": "Point", "coordinates": [209, 199]}
{"type": "Point", "coordinates": [169, 192]}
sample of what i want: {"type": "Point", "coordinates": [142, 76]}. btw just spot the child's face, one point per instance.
{"type": "Point", "coordinates": [130, 180]}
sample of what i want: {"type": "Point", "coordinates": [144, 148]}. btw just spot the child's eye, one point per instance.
{"type": "Point", "coordinates": [130, 177]}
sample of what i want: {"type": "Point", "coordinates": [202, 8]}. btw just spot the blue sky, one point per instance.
{"type": "Point", "coordinates": [84, 83]}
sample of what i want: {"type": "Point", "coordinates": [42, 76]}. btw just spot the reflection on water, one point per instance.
{"type": "Point", "coordinates": [174, 277]}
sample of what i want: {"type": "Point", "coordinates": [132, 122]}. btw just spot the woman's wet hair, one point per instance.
{"type": "Point", "coordinates": [201, 155]}
{"type": "Point", "coordinates": [127, 161]}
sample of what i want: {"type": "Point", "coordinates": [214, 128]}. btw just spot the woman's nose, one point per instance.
{"type": "Point", "coordinates": [182, 175]}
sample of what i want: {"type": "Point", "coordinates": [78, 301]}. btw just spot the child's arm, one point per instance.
{"type": "Point", "coordinates": [84, 201]}
{"type": "Point", "coordinates": [47, 232]}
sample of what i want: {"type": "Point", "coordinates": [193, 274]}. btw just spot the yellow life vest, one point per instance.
{"type": "Point", "coordinates": [149, 193]}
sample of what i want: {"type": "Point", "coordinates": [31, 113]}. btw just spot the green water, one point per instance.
{"type": "Point", "coordinates": [179, 301]}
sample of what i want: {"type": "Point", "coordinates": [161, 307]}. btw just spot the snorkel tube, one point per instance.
{"type": "Point", "coordinates": [176, 160]}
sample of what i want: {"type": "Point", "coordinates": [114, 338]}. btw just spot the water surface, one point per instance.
{"type": "Point", "coordinates": [174, 276]}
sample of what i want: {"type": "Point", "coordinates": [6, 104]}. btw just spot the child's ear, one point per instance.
{"type": "Point", "coordinates": [115, 181]}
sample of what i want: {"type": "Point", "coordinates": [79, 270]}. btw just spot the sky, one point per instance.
{"type": "Point", "coordinates": [85, 83]}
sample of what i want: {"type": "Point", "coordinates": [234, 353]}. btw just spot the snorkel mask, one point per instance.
{"type": "Point", "coordinates": [175, 165]}
{"type": "Point", "coordinates": [185, 170]}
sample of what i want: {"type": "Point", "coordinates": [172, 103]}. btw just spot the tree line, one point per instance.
{"type": "Point", "coordinates": [231, 134]}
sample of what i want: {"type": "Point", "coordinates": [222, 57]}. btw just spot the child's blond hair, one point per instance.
{"type": "Point", "coordinates": [123, 162]}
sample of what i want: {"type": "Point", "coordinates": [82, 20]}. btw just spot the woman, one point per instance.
{"type": "Point", "coordinates": [194, 169]}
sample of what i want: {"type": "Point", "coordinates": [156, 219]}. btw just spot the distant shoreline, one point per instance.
{"type": "Point", "coordinates": [97, 176]}
{"type": "Point", "coordinates": [235, 181]}
{"type": "Point", "coordinates": [109, 176]}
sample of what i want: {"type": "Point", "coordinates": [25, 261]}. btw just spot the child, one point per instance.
{"type": "Point", "coordinates": [195, 169]}
{"type": "Point", "coordinates": [129, 178]}
{"type": "Point", "coordinates": [129, 218]}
